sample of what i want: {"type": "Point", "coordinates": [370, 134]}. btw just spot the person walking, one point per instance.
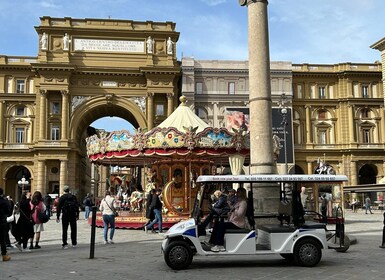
{"type": "Point", "coordinates": [48, 204]}
{"type": "Point", "coordinates": [25, 223]}
{"type": "Point", "coordinates": [368, 204]}
{"type": "Point", "coordinates": [87, 202]}
{"type": "Point", "coordinates": [149, 213]}
{"type": "Point", "coordinates": [156, 206]}
{"type": "Point", "coordinates": [37, 206]}
{"type": "Point", "coordinates": [4, 213]}
{"type": "Point", "coordinates": [69, 206]}
{"type": "Point", "coordinates": [107, 206]}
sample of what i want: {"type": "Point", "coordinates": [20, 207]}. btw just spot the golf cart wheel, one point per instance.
{"type": "Point", "coordinates": [178, 255]}
{"type": "Point", "coordinates": [288, 256]}
{"type": "Point", "coordinates": [344, 247]}
{"type": "Point", "coordinates": [307, 252]}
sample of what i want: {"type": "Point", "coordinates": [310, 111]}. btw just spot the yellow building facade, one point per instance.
{"type": "Point", "coordinates": [85, 69]}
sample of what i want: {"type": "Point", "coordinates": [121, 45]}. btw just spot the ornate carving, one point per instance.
{"type": "Point", "coordinates": [140, 102]}
{"type": "Point", "coordinates": [78, 100]}
{"type": "Point", "coordinates": [43, 92]}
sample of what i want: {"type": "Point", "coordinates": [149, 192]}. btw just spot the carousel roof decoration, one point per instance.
{"type": "Point", "coordinates": [182, 134]}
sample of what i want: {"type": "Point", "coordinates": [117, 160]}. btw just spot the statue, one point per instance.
{"type": "Point", "coordinates": [150, 44]}
{"type": "Point", "coordinates": [44, 41]}
{"type": "Point", "coordinates": [66, 42]}
{"type": "Point", "coordinates": [169, 45]}
{"type": "Point", "coordinates": [324, 168]}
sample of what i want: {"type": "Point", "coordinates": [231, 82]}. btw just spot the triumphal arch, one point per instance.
{"type": "Point", "coordinates": [85, 69]}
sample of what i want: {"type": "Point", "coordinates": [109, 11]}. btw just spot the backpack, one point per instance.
{"type": "Point", "coordinates": [70, 205]}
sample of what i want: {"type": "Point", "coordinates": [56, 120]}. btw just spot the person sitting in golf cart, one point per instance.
{"type": "Point", "coordinates": [237, 220]}
{"type": "Point", "coordinates": [219, 208]}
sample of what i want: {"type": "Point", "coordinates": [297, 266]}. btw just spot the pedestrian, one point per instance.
{"type": "Point", "coordinates": [368, 204]}
{"type": "Point", "coordinates": [11, 207]}
{"type": "Point", "coordinates": [156, 206]}
{"type": "Point", "coordinates": [24, 223]}
{"type": "Point", "coordinates": [354, 205]}
{"type": "Point", "coordinates": [87, 202]}
{"type": "Point", "coordinates": [48, 204]}
{"type": "Point", "coordinates": [37, 206]}
{"type": "Point", "coordinates": [107, 206]}
{"type": "Point", "coordinates": [383, 235]}
{"type": "Point", "coordinates": [149, 213]}
{"type": "Point", "coordinates": [324, 208]}
{"type": "Point", "coordinates": [69, 206]}
{"type": "Point", "coordinates": [4, 213]}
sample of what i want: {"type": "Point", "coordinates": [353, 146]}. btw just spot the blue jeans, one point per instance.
{"type": "Point", "coordinates": [158, 219]}
{"type": "Point", "coordinates": [86, 212]}
{"type": "Point", "coordinates": [109, 220]}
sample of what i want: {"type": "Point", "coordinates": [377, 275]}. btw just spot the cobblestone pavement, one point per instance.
{"type": "Point", "coordinates": [136, 255]}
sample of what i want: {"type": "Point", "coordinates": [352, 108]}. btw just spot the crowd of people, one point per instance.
{"type": "Point", "coordinates": [25, 219]}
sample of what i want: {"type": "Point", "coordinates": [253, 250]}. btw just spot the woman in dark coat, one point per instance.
{"type": "Point", "coordinates": [24, 224]}
{"type": "Point", "coordinates": [149, 213]}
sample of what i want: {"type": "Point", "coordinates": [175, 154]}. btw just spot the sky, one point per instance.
{"type": "Point", "coordinates": [300, 31]}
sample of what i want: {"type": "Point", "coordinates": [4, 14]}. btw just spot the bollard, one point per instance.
{"type": "Point", "coordinates": [383, 235]}
{"type": "Point", "coordinates": [93, 230]}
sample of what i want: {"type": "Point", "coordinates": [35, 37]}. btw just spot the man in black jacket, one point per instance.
{"type": "Point", "coordinates": [156, 206]}
{"type": "Point", "coordinates": [4, 213]}
{"type": "Point", "coordinates": [69, 206]}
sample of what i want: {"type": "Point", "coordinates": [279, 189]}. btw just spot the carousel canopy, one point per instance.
{"type": "Point", "coordinates": [183, 117]}
{"type": "Point", "coordinates": [183, 135]}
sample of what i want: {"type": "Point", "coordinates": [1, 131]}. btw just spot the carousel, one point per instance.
{"type": "Point", "coordinates": [171, 155]}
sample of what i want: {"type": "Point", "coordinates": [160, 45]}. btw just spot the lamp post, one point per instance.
{"type": "Point", "coordinates": [282, 105]}
{"type": "Point", "coordinates": [22, 182]}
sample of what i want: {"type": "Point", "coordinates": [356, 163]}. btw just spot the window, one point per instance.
{"type": "Point", "coordinates": [20, 111]}
{"type": "Point", "coordinates": [159, 109]}
{"type": "Point", "coordinates": [322, 114]}
{"type": "Point", "coordinates": [365, 91]}
{"type": "Point", "coordinates": [322, 136]}
{"type": "Point", "coordinates": [365, 113]}
{"type": "Point", "coordinates": [20, 135]}
{"type": "Point", "coordinates": [200, 112]}
{"type": "Point", "coordinates": [55, 108]}
{"type": "Point", "coordinates": [55, 132]}
{"type": "Point", "coordinates": [20, 86]}
{"type": "Point", "coordinates": [199, 88]}
{"type": "Point", "coordinates": [321, 92]}
{"type": "Point", "coordinates": [366, 135]}
{"type": "Point", "coordinates": [231, 89]}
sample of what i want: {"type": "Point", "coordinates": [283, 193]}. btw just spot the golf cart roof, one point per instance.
{"type": "Point", "coordinates": [271, 178]}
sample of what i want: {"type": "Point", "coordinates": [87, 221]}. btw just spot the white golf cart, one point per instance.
{"type": "Point", "coordinates": [298, 235]}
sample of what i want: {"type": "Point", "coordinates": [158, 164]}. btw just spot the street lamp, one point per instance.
{"type": "Point", "coordinates": [282, 105]}
{"type": "Point", "coordinates": [22, 182]}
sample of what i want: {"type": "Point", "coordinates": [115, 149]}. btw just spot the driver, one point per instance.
{"type": "Point", "coordinates": [236, 221]}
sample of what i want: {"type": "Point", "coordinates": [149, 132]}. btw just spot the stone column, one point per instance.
{"type": "Point", "coordinates": [2, 124]}
{"type": "Point", "coordinates": [353, 172]}
{"type": "Point", "coordinates": [309, 167]}
{"type": "Point", "coordinates": [41, 177]}
{"type": "Point", "coordinates": [63, 175]}
{"type": "Point", "coordinates": [42, 115]}
{"type": "Point", "coordinates": [150, 110]}
{"type": "Point", "coordinates": [64, 115]}
{"type": "Point", "coordinates": [352, 125]}
{"type": "Point", "coordinates": [308, 125]}
{"type": "Point", "coordinates": [382, 125]}
{"type": "Point", "coordinates": [261, 144]}
{"type": "Point", "coordinates": [170, 103]}
{"type": "Point", "coordinates": [261, 137]}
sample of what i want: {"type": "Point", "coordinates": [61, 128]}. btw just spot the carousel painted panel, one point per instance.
{"type": "Point", "coordinates": [162, 139]}
{"type": "Point", "coordinates": [214, 138]}
{"type": "Point", "coordinates": [120, 141]}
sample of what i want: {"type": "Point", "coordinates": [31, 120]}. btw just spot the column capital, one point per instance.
{"type": "Point", "coordinates": [43, 92]}
{"type": "Point", "coordinates": [150, 94]}
{"type": "Point", "coordinates": [170, 95]}
{"type": "Point", "coordinates": [64, 92]}
{"type": "Point", "coordinates": [248, 2]}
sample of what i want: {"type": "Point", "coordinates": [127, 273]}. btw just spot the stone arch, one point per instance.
{"type": "Point", "coordinates": [12, 174]}
{"type": "Point", "coordinates": [367, 174]}
{"type": "Point", "coordinates": [96, 108]}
